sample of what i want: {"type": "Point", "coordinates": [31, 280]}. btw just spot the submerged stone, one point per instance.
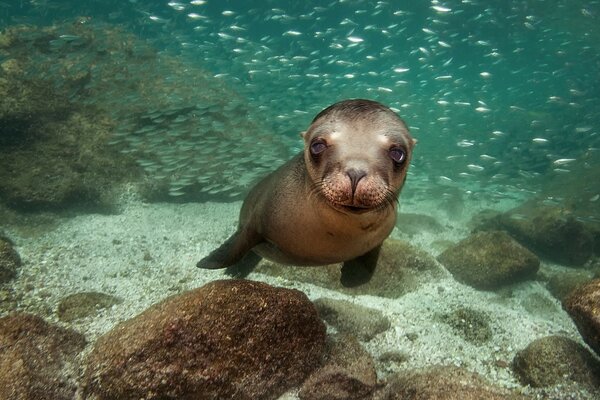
{"type": "Point", "coordinates": [489, 260]}
{"type": "Point", "coordinates": [401, 269]}
{"type": "Point", "coordinates": [551, 232]}
{"type": "Point", "coordinates": [38, 360]}
{"type": "Point", "coordinates": [85, 304]}
{"type": "Point", "coordinates": [556, 360]}
{"type": "Point", "coordinates": [583, 305]}
{"type": "Point", "coordinates": [10, 262]}
{"type": "Point", "coordinates": [351, 318]}
{"type": "Point", "coordinates": [442, 383]}
{"type": "Point", "coordinates": [472, 325]}
{"type": "Point", "coordinates": [233, 339]}
{"type": "Point", "coordinates": [348, 374]}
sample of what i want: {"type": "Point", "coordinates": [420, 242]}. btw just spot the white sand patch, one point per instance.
{"type": "Point", "coordinates": [149, 252]}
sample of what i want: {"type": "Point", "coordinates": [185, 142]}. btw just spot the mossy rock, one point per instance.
{"type": "Point", "coordinates": [553, 233]}
{"type": "Point", "coordinates": [472, 325]}
{"type": "Point", "coordinates": [85, 304]}
{"type": "Point", "coordinates": [442, 383]}
{"type": "Point", "coordinates": [401, 268]}
{"type": "Point", "coordinates": [350, 318]}
{"type": "Point", "coordinates": [10, 262]}
{"type": "Point", "coordinates": [556, 360]}
{"type": "Point", "coordinates": [489, 260]}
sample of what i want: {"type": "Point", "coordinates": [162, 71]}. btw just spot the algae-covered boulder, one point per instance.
{"type": "Point", "coordinates": [442, 383]}
{"type": "Point", "coordinates": [401, 269]}
{"type": "Point", "coordinates": [552, 233]}
{"type": "Point", "coordinates": [489, 260]}
{"type": "Point", "coordinates": [555, 360]}
{"type": "Point", "coordinates": [37, 360]}
{"type": "Point", "coordinates": [472, 325]}
{"type": "Point", "coordinates": [348, 374]}
{"type": "Point", "coordinates": [350, 318]}
{"type": "Point", "coordinates": [583, 305]}
{"type": "Point", "coordinates": [9, 260]}
{"type": "Point", "coordinates": [232, 339]}
{"type": "Point", "coordinates": [84, 304]}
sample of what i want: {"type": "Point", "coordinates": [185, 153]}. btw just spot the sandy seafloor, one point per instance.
{"type": "Point", "coordinates": [148, 252]}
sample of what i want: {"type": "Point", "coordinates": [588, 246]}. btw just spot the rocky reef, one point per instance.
{"type": "Point", "coordinates": [86, 109]}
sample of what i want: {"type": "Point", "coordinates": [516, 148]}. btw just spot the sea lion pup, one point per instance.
{"type": "Point", "coordinates": [333, 202]}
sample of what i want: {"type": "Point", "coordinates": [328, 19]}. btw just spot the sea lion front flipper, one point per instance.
{"type": "Point", "coordinates": [232, 250]}
{"type": "Point", "coordinates": [242, 268]}
{"type": "Point", "coordinates": [359, 270]}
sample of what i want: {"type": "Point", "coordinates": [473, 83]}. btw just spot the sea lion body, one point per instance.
{"type": "Point", "coordinates": [333, 202]}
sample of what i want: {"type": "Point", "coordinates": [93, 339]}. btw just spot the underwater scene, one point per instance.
{"type": "Point", "coordinates": [428, 228]}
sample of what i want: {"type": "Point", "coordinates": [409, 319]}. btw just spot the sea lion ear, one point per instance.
{"type": "Point", "coordinates": [303, 134]}
{"type": "Point", "coordinates": [414, 141]}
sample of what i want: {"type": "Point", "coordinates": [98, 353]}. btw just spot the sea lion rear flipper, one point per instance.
{"type": "Point", "coordinates": [359, 270]}
{"type": "Point", "coordinates": [232, 250]}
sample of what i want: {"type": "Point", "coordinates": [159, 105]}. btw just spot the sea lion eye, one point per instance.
{"type": "Point", "coordinates": [397, 154]}
{"type": "Point", "coordinates": [317, 146]}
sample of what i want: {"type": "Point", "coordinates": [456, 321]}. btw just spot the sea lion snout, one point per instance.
{"type": "Point", "coordinates": [355, 175]}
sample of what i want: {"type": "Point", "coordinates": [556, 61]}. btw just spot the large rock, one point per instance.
{"type": "Point", "coordinates": [9, 261]}
{"type": "Point", "coordinates": [556, 360]}
{"type": "Point", "coordinates": [442, 383]}
{"type": "Point", "coordinates": [348, 374]}
{"type": "Point", "coordinates": [350, 318]}
{"type": "Point", "coordinates": [401, 269]}
{"type": "Point", "coordinates": [488, 260]}
{"type": "Point", "coordinates": [232, 339]}
{"type": "Point", "coordinates": [37, 360]}
{"type": "Point", "coordinates": [583, 305]}
{"type": "Point", "coordinates": [552, 233]}
{"type": "Point", "coordinates": [84, 304]}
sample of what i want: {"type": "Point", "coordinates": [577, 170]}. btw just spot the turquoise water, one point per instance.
{"type": "Point", "coordinates": [502, 97]}
{"type": "Point", "coordinates": [161, 103]}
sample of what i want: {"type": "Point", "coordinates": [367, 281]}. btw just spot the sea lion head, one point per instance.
{"type": "Point", "coordinates": [357, 154]}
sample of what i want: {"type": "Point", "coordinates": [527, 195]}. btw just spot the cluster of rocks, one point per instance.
{"type": "Point", "coordinates": [241, 339]}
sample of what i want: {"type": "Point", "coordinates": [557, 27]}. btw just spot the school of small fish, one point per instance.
{"type": "Point", "coordinates": [499, 94]}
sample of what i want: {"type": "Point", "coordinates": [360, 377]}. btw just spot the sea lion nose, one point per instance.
{"type": "Point", "coordinates": [355, 175]}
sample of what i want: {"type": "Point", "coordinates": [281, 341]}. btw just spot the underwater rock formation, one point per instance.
{"type": "Point", "coordinates": [401, 268]}
{"type": "Point", "coordinates": [442, 383]}
{"type": "Point", "coordinates": [85, 304]}
{"type": "Point", "coordinates": [472, 325]}
{"type": "Point", "coordinates": [554, 360]}
{"type": "Point", "coordinates": [552, 233]}
{"type": "Point", "coordinates": [489, 260]}
{"type": "Point", "coordinates": [86, 108]}
{"type": "Point", "coordinates": [411, 224]}
{"type": "Point", "coordinates": [232, 339]}
{"type": "Point", "coordinates": [37, 359]}
{"type": "Point", "coordinates": [583, 305]}
{"type": "Point", "coordinates": [351, 318]}
{"type": "Point", "coordinates": [10, 262]}
{"type": "Point", "coordinates": [348, 374]}
{"type": "Point", "coordinates": [560, 285]}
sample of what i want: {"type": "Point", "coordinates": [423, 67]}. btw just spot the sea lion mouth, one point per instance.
{"type": "Point", "coordinates": [352, 209]}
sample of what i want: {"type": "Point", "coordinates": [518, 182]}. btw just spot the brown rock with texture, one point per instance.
{"type": "Point", "coordinates": [488, 260]}
{"type": "Point", "coordinates": [37, 359]}
{"type": "Point", "coordinates": [554, 360]}
{"type": "Point", "coordinates": [351, 318]}
{"type": "Point", "coordinates": [583, 305]}
{"type": "Point", "coordinates": [552, 232]}
{"type": "Point", "coordinates": [9, 261]}
{"type": "Point", "coordinates": [401, 269]}
{"type": "Point", "coordinates": [348, 374]}
{"type": "Point", "coordinates": [442, 383]}
{"type": "Point", "coordinates": [231, 339]}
